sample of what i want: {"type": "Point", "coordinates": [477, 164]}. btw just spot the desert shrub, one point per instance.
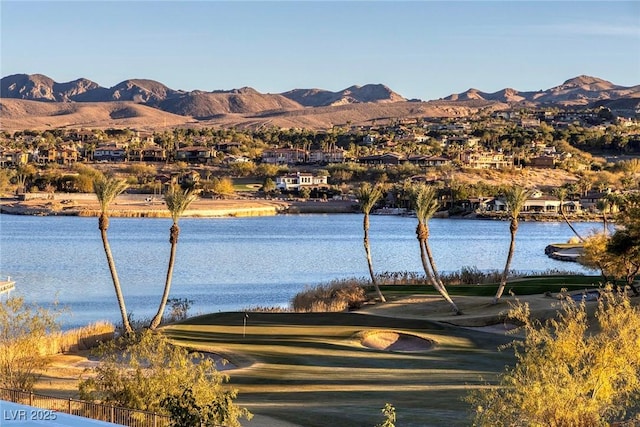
{"type": "Point", "coordinates": [23, 330]}
{"type": "Point", "coordinates": [572, 370]}
{"type": "Point", "coordinates": [147, 372]}
{"type": "Point", "coordinates": [389, 414]}
{"type": "Point", "coordinates": [338, 295]}
{"type": "Point", "coordinates": [178, 309]}
{"type": "Point", "coordinates": [473, 276]}
{"type": "Point", "coordinates": [84, 338]}
{"type": "Point", "coordinates": [400, 278]}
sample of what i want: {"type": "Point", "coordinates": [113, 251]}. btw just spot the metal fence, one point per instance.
{"type": "Point", "coordinates": [82, 408]}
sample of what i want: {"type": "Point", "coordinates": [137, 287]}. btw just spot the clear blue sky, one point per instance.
{"type": "Point", "coordinates": [421, 49]}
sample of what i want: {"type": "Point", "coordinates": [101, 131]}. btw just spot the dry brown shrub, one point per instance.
{"type": "Point", "coordinates": [339, 295]}
{"type": "Point", "coordinates": [84, 338]}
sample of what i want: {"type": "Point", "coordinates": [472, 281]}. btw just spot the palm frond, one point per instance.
{"type": "Point", "coordinates": [178, 201]}
{"type": "Point", "coordinates": [368, 195]}
{"type": "Point", "coordinates": [107, 189]}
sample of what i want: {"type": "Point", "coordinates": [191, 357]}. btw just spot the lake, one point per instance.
{"type": "Point", "coordinates": [226, 264]}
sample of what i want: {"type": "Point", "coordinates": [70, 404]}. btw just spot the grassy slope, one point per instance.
{"type": "Point", "coordinates": [520, 286]}
{"type": "Point", "coordinates": [311, 369]}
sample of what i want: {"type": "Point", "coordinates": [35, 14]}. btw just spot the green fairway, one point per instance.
{"type": "Point", "coordinates": [519, 286]}
{"type": "Point", "coordinates": [311, 369]}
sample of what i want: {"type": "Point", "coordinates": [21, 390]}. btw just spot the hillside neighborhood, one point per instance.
{"type": "Point", "coordinates": [592, 147]}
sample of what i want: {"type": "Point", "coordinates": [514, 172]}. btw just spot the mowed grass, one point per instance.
{"type": "Point", "coordinates": [312, 370]}
{"type": "Point", "coordinates": [519, 286]}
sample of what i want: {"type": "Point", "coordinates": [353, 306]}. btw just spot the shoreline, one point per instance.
{"type": "Point", "coordinates": [142, 206]}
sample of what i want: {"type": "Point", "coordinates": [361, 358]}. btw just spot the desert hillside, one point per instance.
{"type": "Point", "coordinates": [38, 102]}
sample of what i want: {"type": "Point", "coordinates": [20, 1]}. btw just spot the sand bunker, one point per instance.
{"type": "Point", "coordinates": [396, 341]}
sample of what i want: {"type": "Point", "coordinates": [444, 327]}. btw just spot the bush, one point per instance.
{"type": "Point", "coordinates": [574, 370]}
{"type": "Point", "coordinates": [146, 372]}
{"type": "Point", "coordinates": [84, 338]}
{"type": "Point", "coordinates": [23, 330]}
{"type": "Point", "coordinates": [338, 295]}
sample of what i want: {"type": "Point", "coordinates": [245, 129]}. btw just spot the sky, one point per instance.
{"type": "Point", "coordinates": [420, 49]}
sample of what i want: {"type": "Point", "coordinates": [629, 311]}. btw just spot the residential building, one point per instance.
{"type": "Point", "coordinates": [149, 153]}
{"type": "Point", "coordinates": [195, 154]}
{"type": "Point", "coordinates": [382, 159]}
{"type": "Point", "coordinates": [543, 162]}
{"type": "Point", "coordinates": [486, 160]}
{"type": "Point", "coordinates": [284, 156]}
{"type": "Point", "coordinates": [295, 181]}
{"type": "Point", "coordinates": [327, 156]}
{"type": "Point", "coordinates": [109, 153]}
{"type": "Point", "coordinates": [13, 157]}
{"type": "Point", "coordinates": [428, 161]}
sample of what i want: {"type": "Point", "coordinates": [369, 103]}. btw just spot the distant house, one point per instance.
{"type": "Point", "coordinates": [493, 205]}
{"type": "Point", "coordinates": [227, 146]}
{"type": "Point", "coordinates": [149, 153]}
{"type": "Point", "coordinates": [590, 200]}
{"type": "Point", "coordinates": [327, 156]}
{"type": "Point", "coordinates": [382, 159]}
{"type": "Point", "coordinates": [486, 160]}
{"type": "Point", "coordinates": [529, 122]}
{"type": "Point", "coordinates": [189, 179]}
{"type": "Point", "coordinates": [295, 181]}
{"type": "Point", "coordinates": [154, 153]}
{"type": "Point", "coordinates": [428, 161]}
{"type": "Point", "coordinates": [46, 154]}
{"type": "Point", "coordinates": [541, 204]}
{"type": "Point", "coordinates": [543, 162]}
{"type": "Point", "coordinates": [109, 153]}
{"type": "Point", "coordinates": [67, 155]}
{"type": "Point", "coordinates": [195, 154]}
{"type": "Point", "coordinates": [284, 156]}
{"type": "Point", "coordinates": [13, 157]}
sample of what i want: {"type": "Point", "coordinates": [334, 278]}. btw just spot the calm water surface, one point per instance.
{"type": "Point", "coordinates": [228, 264]}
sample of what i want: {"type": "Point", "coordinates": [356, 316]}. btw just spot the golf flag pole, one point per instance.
{"type": "Point", "coordinates": [244, 325]}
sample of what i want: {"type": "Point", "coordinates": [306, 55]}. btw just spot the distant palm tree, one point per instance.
{"type": "Point", "coordinates": [177, 202]}
{"type": "Point", "coordinates": [561, 194]}
{"type": "Point", "coordinates": [106, 190]}
{"type": "Point", "coordinates": [515, 198]}
{"type": "Point", "coordinates": [426, 205]}
{"type": "Point", "coordinates": [368, 195]}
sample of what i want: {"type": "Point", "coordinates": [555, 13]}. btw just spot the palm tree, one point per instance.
{"type": "Point", "coordinates": [515, 198]}
{"type": "Point", "coordinates": [177, 202]}
{"type": "Point", "coordinates": [369, 196]}
{"type": "Point", "coordinates": [561, 194]}
{"type": "Point", "coordinates": [106, 190]}
{"type": "Point", "coordinates": [426, 205]}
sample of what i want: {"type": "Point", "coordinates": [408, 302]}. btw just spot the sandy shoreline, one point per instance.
{"type": "Point", "coordinates": [142, 206]}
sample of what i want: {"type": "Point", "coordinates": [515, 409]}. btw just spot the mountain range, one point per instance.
{"type": "Point", "coordinates": [38, 101]}
{"type": "Point", "coordinates": [581, 90]}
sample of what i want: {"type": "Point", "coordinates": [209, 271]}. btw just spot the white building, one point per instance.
{"type": "Point", "coordinates": [295, 181]}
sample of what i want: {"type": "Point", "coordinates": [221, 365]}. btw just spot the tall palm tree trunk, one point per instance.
{"type": "Point", "coordinates": [425, 265]}
{"type": "Point", "coordinates": [367, 249]}
{"type": "Point", "coordinates": [104, 225]}
{"type": "Point", "coordinates": [513, 228]}
{"type": "Point", "coordinates": [564, 216]}
{"type": "Point", "coordinates": [174, 233]}
{"type": "Point", "coordinates": [428, 264]}
{"type": "Point", "coordinates": [441, 288]}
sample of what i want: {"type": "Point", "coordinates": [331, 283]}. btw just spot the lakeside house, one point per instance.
{"type": "Point", "coordinates": [296, 181]}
